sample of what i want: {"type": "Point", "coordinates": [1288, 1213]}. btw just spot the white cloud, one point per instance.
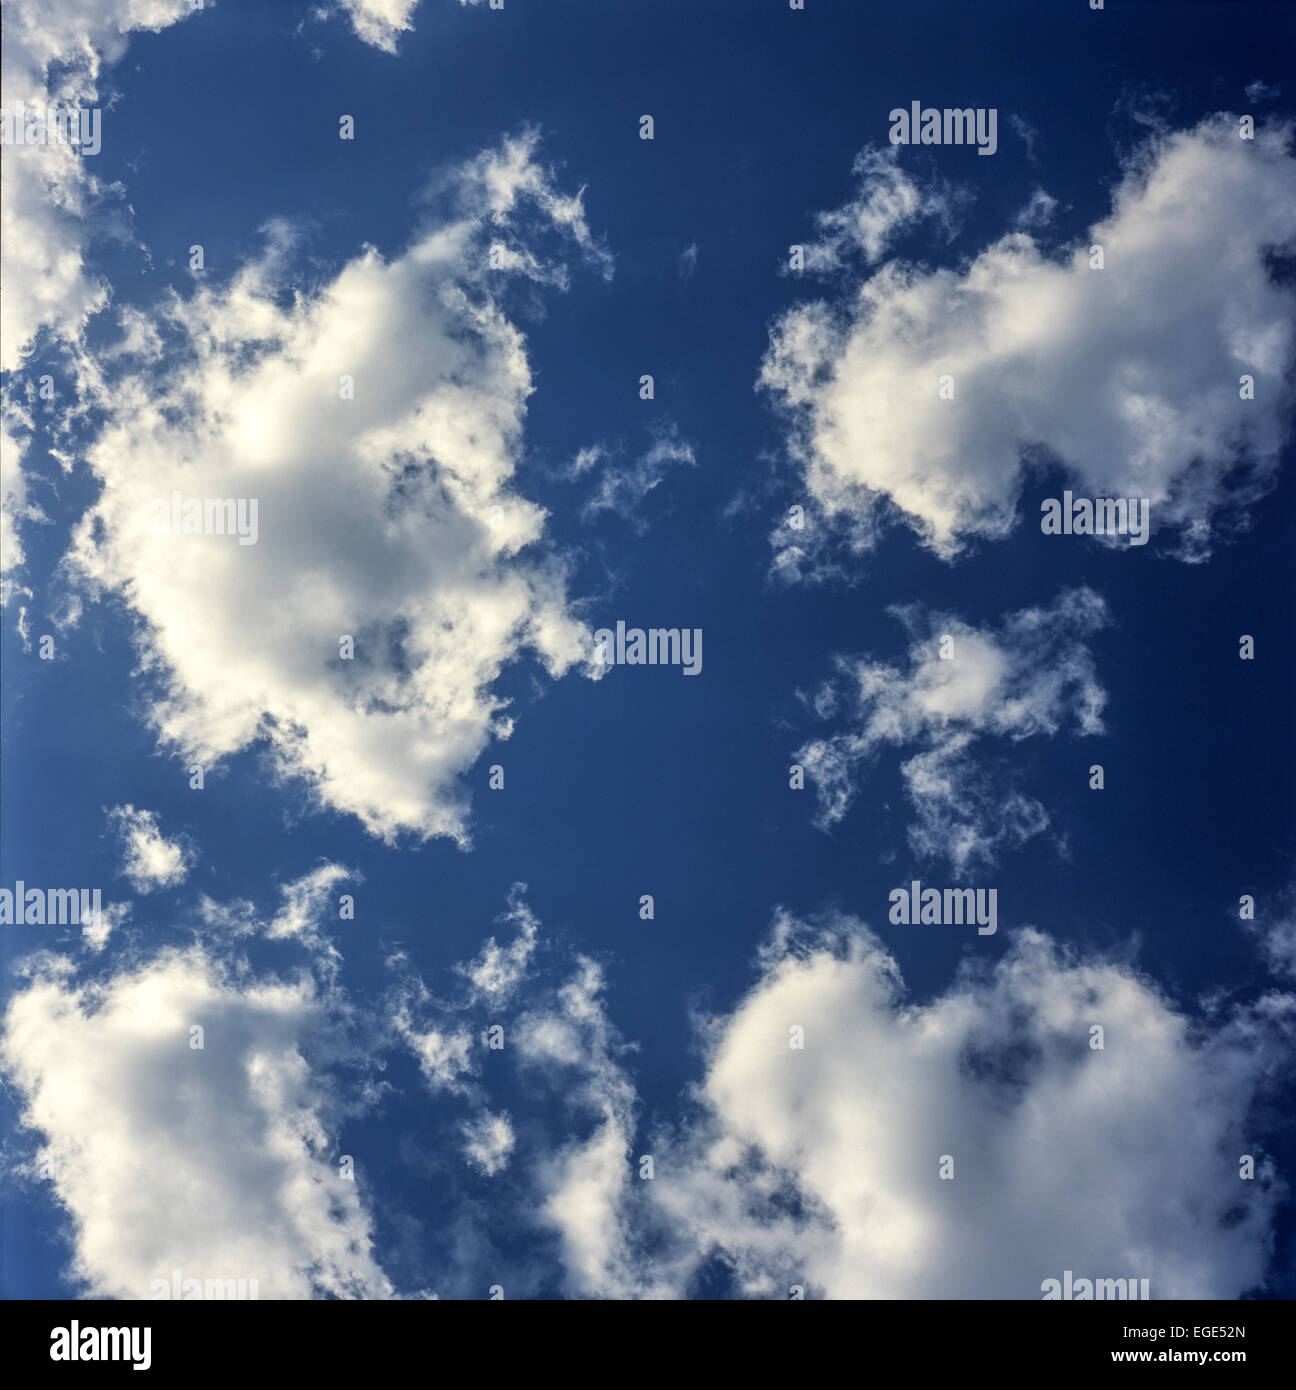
{"type": "Point", "coordinates": [1038, 212]}
{"type": "Point", "coordinates": [388, 518]}
{"type": "Point", "coordinates": [380, 22]}
{"type": "Point", "coordinates": [1028, 134]}
{"type": "Point", "coordinates": [443, 1054]}
{"type": "Point", "coordinates": [623, 487]}
{"type": "Point", "coordinates": [218, 1161]}
{"type": "Point", "coordinates": [488, 1142]}
{"type": "Point", "coordinates": [101, 925]}
{"type": "Point", "coordinates": [434, 1029]}
{"type": "Point", "coordinates": [54, 56]}
{"type": "Point", "coordinates": [15, 504]}
{"type": "Point", "coordinates": [820, 1167]}
{"type": "Point", "coordinates": [1128, 375]}
{"type": "Point", "coordinates": [817, 1166]}
{"type": "Point", "coordinates": [585, 1182]}
{"type": "Point", "coordinates": [586, 459]}
{"type": "Point", "coordinates": [1274, 928]}
{"type": "Point", "coordinates": [150, 859]}
{"type": "Point", "coordinates": [497, 970]}
{"type": "Point", "coordinates": [888, 200]}
{"type": "Point", "coordinates": [1030, 678]}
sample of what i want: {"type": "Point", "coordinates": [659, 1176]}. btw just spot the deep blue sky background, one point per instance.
{"type": "Point", "coordinates": [649, 782]}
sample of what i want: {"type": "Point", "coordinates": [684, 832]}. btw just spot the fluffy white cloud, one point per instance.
{"type": "Point", "coordinates": [820, 1166]}
{"type": "Point", "coordinates": [1030, 678]}
{"type": "Point", "coordinates": [380, 22]}
{"type": "Point", "coordinates": [1128, 375]}
{"type": "Point", "coordinates": [52, 203]}
{"type": "Point", "coordinates": [375, 422]}
{"type": "Point", "coordinates": [488, 1142]}
{"type": "Point", "coordinates": [54, 57]}
{"type": "Point", "coordinates": [816, 1165]}
{"type": "Point", "coordinates": [150, 860]}
{"type": "Point", "coordinates": [216, 1161]}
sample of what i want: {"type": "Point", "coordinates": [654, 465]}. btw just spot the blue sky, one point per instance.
{"type": "Point", "coordinates": [496, 492]}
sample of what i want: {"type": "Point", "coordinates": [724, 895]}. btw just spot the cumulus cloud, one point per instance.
{"type": "Point", "coordinates": [1126, 376]}
{"type": "Point", "coordinates": [820, 1166]}
{"type": "Point", "coordinates": [1030, 678]}
{"type": "Point", "coordinates": [816, 1165]}
{"type": "Point", "coordinates": [54, 57]}
{"type": "Point", "coordinates": [355, 625]}
{"type": "Point", "coordinates": [218, 1161]}
{"type": "Point", "coordinates": [150, 860]}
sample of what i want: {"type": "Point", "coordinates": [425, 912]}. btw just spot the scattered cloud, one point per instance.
{"type": "Point", "coordinates": [55, 58]}
{"type": "Point", "coordinates": [1038, 212]}
{"type": "Point", "coordinates": [1031, 677]}
{"type": "Point", "coordinates": [380, 22]}
{"type": "Point", "coordinates": [212, 1152]}
{"type": "Point", "coordinates": [820, 1167]}
{"type": "Point", "coordinates": [150, 860]}
{"type": "Point", "coordinates": [488, 1142]}
{"type": "Point", "coordinates": [1127, 376]}
{"type": "Point", "coordinates": [498, 970]}
{"type": "Point", "coordinates": [889, 200]}
{"type": "Point", "coordinates": [1028, 135]}
{"type": "Point", "coordinates": [622, 487]}
{"type": "Point", "coordinates": [375, 421]}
